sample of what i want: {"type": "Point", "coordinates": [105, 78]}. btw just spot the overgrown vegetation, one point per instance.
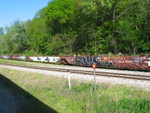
{"type": "Point", "coordinates": [67, 27]}
{"type": "Point", "coordinates": [55, 93]}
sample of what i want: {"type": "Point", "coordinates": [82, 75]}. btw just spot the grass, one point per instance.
{"type": "Point", "coordinates": [24, 63]}
{"type": "Point", "coordinates": [26, 102]}
{"type": "Point", "coordinates": [54, 92]}
{"type": "Point", "coordinates": [11, 61]}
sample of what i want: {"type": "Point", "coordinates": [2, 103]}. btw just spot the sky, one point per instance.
{"type": "Point", "coordinates": [11, 10]}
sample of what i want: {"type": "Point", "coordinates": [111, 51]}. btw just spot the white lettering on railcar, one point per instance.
{"type": "Point", "coordinates": [5, 57]}
{"type": "Point", "coordinates": [149, 62]}
{"type": "Point", "coordinates": [45, 59]}
{"type": "Point", "coordinates": [54, 59]}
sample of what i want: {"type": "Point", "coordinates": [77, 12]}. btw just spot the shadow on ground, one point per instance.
{"type": "Point", "coordinates": [26, 103]}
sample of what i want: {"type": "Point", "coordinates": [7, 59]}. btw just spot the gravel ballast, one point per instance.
{"type": "Point", "coordinates": [144, 85]}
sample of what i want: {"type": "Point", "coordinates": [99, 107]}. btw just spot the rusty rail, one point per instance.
{"type": "Point", "coordinates": [85, 72]}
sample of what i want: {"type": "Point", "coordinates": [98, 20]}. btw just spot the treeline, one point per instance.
{"type": "Point", "coordinates": [87, 27]}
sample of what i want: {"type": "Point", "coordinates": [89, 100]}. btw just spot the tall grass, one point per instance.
{"type": "Point", "coordinates": [55, 93]}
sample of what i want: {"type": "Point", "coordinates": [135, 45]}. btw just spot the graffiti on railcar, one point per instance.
{"type": "Point", "coordinates": [45, 59]}
{"type": "Point", "coordinates": [53, 59]}
{"type": "Point", "coordinates": [148, 62]}
{"type": "Point", "coordinates": [5, 57]}
{"type": "Point", "coordinates": [22, 57]}
{"type": "Point", "coordinates": [120, 62]}
{"type": "Point", "coordinates": [89, 60]}
{"type": "Point", "coordinates": [137, 60]}
{"type": "Point", "coordinates": [133, 62]}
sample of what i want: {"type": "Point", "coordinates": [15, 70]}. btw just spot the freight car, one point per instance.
{"type": "Point", "coordinates": [120, 62]}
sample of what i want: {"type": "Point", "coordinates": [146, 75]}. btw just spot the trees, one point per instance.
{"type": "Point", "coordinates": [129, 26]}
{"type": "Point", "coordinates": [145, 37]}
{"type": "Point", "coordinates": [60, 22]}
{"type": "Point", "coordinates": [15, 41]}
{"type": "Point", "coordinates": [1, 40]}
{"type": "Point", "coordinates": [37, 36]}
{"type": "Point", "coordinates": [83, 27]}
{"type": "Point", "coordinates": [1, 31]}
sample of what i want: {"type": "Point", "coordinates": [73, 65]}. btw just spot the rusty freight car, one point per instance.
{"type": "Point", "coordinates": [120, 62]}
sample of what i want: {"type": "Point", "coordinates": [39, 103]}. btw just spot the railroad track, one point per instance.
{"type": "Point", "coordinates": [85, 72]}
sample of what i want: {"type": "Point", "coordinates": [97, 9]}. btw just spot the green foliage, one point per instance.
{"type": "Point", "coordinates": [38, 36]}
{"type": "Point", "coordinates": [141, 105]}
{"type": "Point", "coordinates": [82, 88]}
{"type": "Point", "coordinates": [15, 41]}
{"type": "Point", "coordinates": [2, 41]}
{"type": "Point", "coordinates": [1, 31]}
{"type": "Point", "coordinates": [59, 15]}
{"type": "Point", "coordinates": [90, 27]}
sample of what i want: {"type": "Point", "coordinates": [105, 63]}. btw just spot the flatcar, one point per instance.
{"type": "Point", "coordinates": [119, 62]}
